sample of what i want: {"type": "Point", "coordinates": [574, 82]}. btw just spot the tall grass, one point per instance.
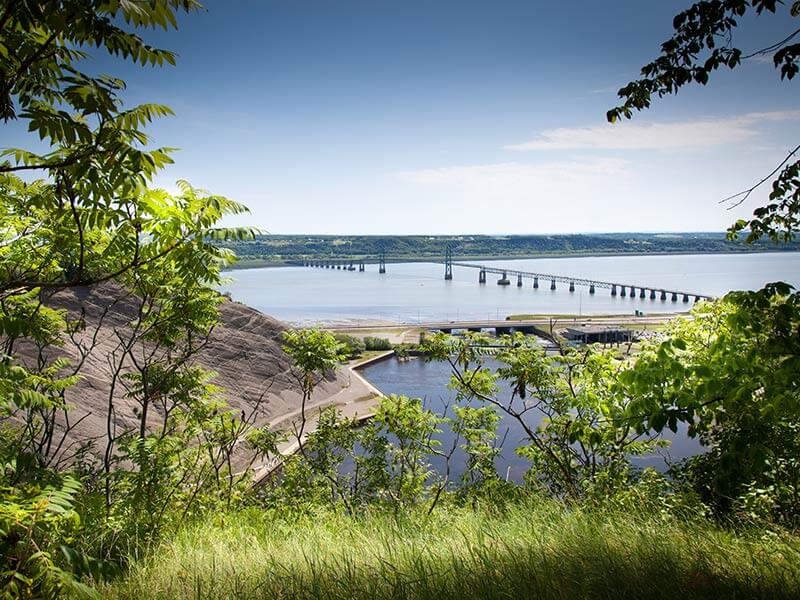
{"type": "Point", "coordinates": [530, 550]}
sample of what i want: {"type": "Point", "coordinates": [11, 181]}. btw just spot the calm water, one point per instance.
{"type": "Point", "coordinates": [411, 292]}
{"type": "Point", "coordinates": [428, 381]}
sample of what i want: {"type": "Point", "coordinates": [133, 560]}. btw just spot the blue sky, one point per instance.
{"type": "Point", "coordinates": [458, 117]}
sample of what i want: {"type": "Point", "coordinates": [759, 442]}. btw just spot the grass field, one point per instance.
{"type": "Point", "coordinates": [530, 550]}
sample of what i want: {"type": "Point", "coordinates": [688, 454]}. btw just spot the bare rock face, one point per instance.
{"type": "Point", "coordinates": [244, 350]}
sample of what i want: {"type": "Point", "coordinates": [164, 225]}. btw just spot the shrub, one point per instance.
{"type": "Point", "coordinates": [375, 343]}
{"type": "Point", "coordinates": [352, 347]}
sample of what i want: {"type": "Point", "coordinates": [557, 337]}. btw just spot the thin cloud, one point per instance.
{"type": "Point", "coordinates": [655, 136]}
{"type": "Point", "coordinates": [514, 174]}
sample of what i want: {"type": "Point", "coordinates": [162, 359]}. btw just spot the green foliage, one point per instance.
{"type": "Point", "coordinates": [90, 219]}
{"type": "Point", "coordinates": [312, 350]}
{"type": "Point", "coordinates": [532, 548]}
{"type": "Point", "coordinates": [701, 44]}
{"type": "Point", "coordinates": [574, 419]}
{"type": "Point", "coordinates": [36, 521]}
{"type": "Point", "coordinates": [376, 343]}
{"type": "Point", "coordinates": [352, 347]}
{"type": "Point", "coordinates": [281, 249]}
{"type": "Point", "coordinates": [731, 374]}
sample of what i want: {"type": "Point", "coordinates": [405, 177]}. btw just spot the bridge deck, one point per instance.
{"type": "Point", "coordinates": [576, 280]}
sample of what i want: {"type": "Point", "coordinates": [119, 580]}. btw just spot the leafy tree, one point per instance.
{"type": "Point", "coordinates": [701, 44]}
{"type": "Point", "coordinates": [731, 374]}
{"type": "Point", "coordinates": [84, 216]}
{"type": "Point", "coordinates": [574, 420]}
{"type": "Point", "coordinates": [352, 347]}
{"type": "Point", "coordinates": [315, 354]}
{"type": "Point", "coordinates": [376, 343]}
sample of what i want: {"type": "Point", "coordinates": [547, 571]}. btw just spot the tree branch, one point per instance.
{"type": "Point", "coordinates": [745, 194]}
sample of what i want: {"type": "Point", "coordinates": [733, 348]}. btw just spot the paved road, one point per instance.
{"type": "Point", "coordinates": [609, 321]}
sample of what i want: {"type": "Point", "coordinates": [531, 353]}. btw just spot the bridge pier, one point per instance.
{"type": "Point", "coordinates": [591, 289]}
{"type": "Point", "coordinates": [663, 295]}
{"type": "Point", "coordinates": [652, 294]}
{"type": "Point", "coordinates": [448, 264]}
{"type": "Point", "coordinates": [571, 286]}
{"type": "Point", "coordinates": [552, 284]}
{"type": "Point", "coordinates": [482, 276]}
{"type": "Point", "coordinates": [686, 297]}
{"type": "Point", "coordinates": [674, 297]}
{"type": "Point", "coordinates": [633, 292]}
{"type": "Point", "coordinates": [622, 291]}
{"type": "Point", "coordinates": [697, 298]}
{"type": "Point", "coordinates": [613, 289]}
{"type": "Point", "coordinates": [382, 262]}
{"type": "Point", "coordinates": [361, 267]}
{"type": "Point", "coordinates": [519, 280]}
{"type": "Point", "coordinates": [536, 283]}
{"type": "Point", "coordinates": [504, 279]}
{"type": "Point", "coordinates": [642, 293]}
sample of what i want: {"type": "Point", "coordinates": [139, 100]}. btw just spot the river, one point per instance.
{"type": "Point", "coordinates": [417, 292]}
{"type": "Point", "coordinates": [428, 380]}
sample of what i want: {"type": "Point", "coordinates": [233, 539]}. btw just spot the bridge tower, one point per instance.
{"type": "Point", "coordinates": [382, 262]}
{"type": "Point", "coordinates": [448, 263]}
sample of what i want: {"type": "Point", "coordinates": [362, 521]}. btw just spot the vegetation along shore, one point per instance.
{"type": "Point", "coordinates": [280, 250]}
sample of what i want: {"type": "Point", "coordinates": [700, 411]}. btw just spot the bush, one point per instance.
{"type": "Point", "coordinates": [375, 343]}
{"type": "Point", "coordinates": [352, 346]}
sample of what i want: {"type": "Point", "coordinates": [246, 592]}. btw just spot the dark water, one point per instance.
{"type": "Point", "coordinates": [428, 381]}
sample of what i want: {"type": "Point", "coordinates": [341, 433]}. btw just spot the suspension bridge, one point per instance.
{"type": "Point", "coordinates": [507, 276]}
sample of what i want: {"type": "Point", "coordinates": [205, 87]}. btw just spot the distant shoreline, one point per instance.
{"type": "Point", "coordinates": [264, 264]}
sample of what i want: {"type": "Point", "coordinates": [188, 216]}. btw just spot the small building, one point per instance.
{"type": "Point", "coordinates": [597, 335]}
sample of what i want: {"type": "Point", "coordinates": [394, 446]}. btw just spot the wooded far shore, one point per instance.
{"type": "Point", "coordinates": [269, 250]}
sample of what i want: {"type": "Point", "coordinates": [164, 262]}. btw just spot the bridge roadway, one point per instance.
{"type": "Point", "coordinates": [590, 283]}
{"type": "Point", "coordinates": [621, 289]}
{"type": "Point", "coordinates": [540, 326]}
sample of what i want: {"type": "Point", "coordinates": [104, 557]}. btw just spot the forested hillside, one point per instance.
{"type": "Point", "coordinates": [280, 249]}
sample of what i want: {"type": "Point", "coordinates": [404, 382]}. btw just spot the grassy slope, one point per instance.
{"type": "Point", "coordinates": [526, 551]}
